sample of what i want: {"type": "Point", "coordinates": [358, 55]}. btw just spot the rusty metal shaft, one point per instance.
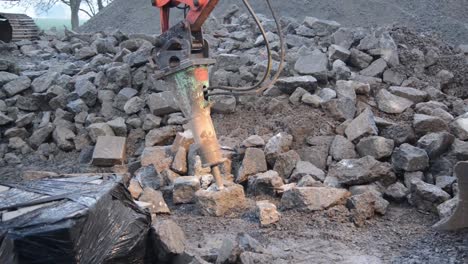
{"type": "Point", "coordinates": [189, 93]}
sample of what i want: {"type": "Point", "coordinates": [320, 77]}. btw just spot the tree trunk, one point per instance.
{"type": "Point", "coordinates": [100, 5]}
{"type": "Point", "coordinates": [75, 9]}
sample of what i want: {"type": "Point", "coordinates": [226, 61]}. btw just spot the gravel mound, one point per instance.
{"type": "Point", "coordinates": [446, 19]}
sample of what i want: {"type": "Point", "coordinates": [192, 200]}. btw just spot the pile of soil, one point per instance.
{"type": "Point", "coordinates": [447, 19]}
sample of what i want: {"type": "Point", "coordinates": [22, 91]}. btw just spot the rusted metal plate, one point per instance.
{"type": "Point", "coordinates": [109, 151]}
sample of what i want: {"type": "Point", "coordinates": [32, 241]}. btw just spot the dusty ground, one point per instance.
{"type": "Point", "coordinates": [403, 235]}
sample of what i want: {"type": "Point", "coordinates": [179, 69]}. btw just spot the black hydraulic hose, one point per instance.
{"type": "Point", "coordinates": [259, 88]}
{"type": "Point", "coordinates": [267, 45]}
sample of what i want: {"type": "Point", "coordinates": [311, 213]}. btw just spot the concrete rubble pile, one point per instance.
{"type": "Point", "coordinates": [397, 99]}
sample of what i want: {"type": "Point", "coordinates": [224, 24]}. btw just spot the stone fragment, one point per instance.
{"type": "Point", "coordinates": [169, 239]}
{"type": "Point", "coordinates": [160, 157]}
{"type": "Point", "coordinates": [435, 144]}
{"type": "Point", "coordinates": [326, 94]}
{"type": "Point", "coordinates": [156, 199]}
{"type": "Point", "coordinates": [118, 126]}
{"type": "Point", "coordinates": [336, 52]}
{"type": "Point", "coordinates": [99, 129]}
{"type": "Point", "coordinates": [396, 192]}
{"type": "Point", "coordinates": [390, 103]}
{"type": "Point", "coordinates": [315, 64]}
{"type": "Point", "coordinates": [6, 77]}
{"type": "Point", "coordinates": [409, 93]}
{"type": "Point", "coordinates": [410, 158]}
{"type": "Point", "coordinates": [459, 127]}
{"type": "Point", "coordinates": [77, 106]}
{"type": "Point", "coordinates": [304, 168]}
{"type": "Point", "coordinates": [86, 91]}
{"type": "Point", "coordinates": [135, 189]}
{"type": "Point", "coordinates": [109, 151]}
{"type": "Point", "coordinates": [321, 27]}
{"type": "Point", "coordinates": [185, 189]}
{"type": "Point", "coordinates": [162, 103]}
{"type": "Point", "coordinates": [359, 59]}
{"type": "Point", "coordinates": [308, 181]}
{"type": "Point", "coordinates": [267, 183]}
{"type": "Point", "coordinates": [317, 154]}
{"type": "Point", "coordinates": [365, 206]}
{"type": "Point", "coordinates": [447, 208]}
{"type": "Point", "coordinates": [375, 69]}
{"type": "Point", "coordinates": [253, 141]}
{"type": "Point", "coordinates": [147, 176]}
{"type": "Point", "coordinates": [345, 89]}
{"type": "Point", "coordinates": [160, 136]}
{"type": "Point", "coordinates": [254, 162]}
{"type": "Point", "coordinates": [409, 177]}
{"type": "Point", "coordinates": [312, 100]}
{"type": "Point", "coordinates": [4, 119]}
{"type": "Point", "coordinates": [41, 135]}
{"type": "Point", "coordinates": [375, 146]}
{"type": "Point", "coordinates": [342, 148]}
{"type": "Point", "coordinates": [64, 136]}
{"type": "Point", "coordinates": [424, 124]}
{"type": "Point", "coordinates": [426, 196]}
{"type": "Point", "coordinates": [445, 183]}
{"type": "Point", "coordinates": [183, 139]}
{"type": "Point", "coordinates": [42, 83]}
{"type": "Point", "coordinates": [360, 171]}
{"type": "Point", "coordinates": [267, 213]}
{"type": "Point", "coordinates": [362, 126]}
{"type": "Point", "coordinates": [151, 122]}
{"type": "Point", "coordinates": [393, 77]}
{"type": "Point", "coordinates": [296, 96]}
{"type": "Point", "coordinates": [121, 98]}
{"type": "Point", "coordinates": [285, 163]}
{"type": "Point", "coordinates": [223, 104]}
{"type": "Point", "coordinates": [17, 86]}
{"type": "Point", "coordinates": [179, 164]}
{"type": "Point", "coordinates": [134, 105]}
{"type": "Point", "coordinates": [400, 133]}
{"type": "Point", "coordinates": [276, 145]}
{"type": "Point", "coordinates": [311, 199]}
{"type": "Point", "coordinates": [213, 202]}
{"type": "Point", "coordinates": [288, 85]}
{"type": "Point", "coordinates": [340, 109]}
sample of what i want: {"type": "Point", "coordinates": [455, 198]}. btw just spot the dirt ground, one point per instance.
{"type": "Point", "coordinates": [403, 235]}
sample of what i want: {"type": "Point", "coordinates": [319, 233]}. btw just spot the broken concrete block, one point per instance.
{"type": "Point", "coordinates": [267, 213]}
{"type": "Point", "coordinates": [159, 156]}
{"type": "Point", "coordinates": [158, 205]}
{"type": "Point", "coordinates": [223, 202]}
{"type": "Point", "coordinates": [267, 183]}
{"type": "Point", "coordinates": [285, 163]}
{"type": "Point", "coordinates": [185, 189]}
{"type": "Point", "coordinates": [313, 198]}
{"type": "Point", "coordinates": [109, 151]}
{"type": "Point", "coordinates": [135, 189]}
{"type": "Point", "coordinates": [179, 164]}
{"type": "Point", "coordinates": [254, 162]}
{"type": "Point", "coordinates": [169, 239]}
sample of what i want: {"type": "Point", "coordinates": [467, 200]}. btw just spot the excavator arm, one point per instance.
{"type": "Point", "coordinates": [199, 11]}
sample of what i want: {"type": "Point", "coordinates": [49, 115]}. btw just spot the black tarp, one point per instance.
{"type": "Point", "coordinates": [72, 220]}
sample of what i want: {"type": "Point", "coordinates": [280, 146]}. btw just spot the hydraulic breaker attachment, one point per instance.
{"type": "Point", "coordinates": [182, 56]}
{"type": "Point", "coordinates": [459, 218]}
{"type": "Point", "coordinates": [189, 92]}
